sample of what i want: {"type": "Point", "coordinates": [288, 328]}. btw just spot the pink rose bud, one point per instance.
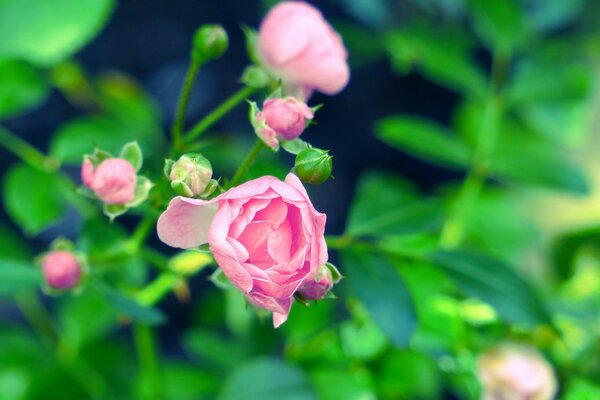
{"type": "Point", "coordinates": [113, 181]}
{"type": "Point", "coordinates": [321, 285]}
{"type": "Point", "coordinates": [515, 372]}
{"type": "Point", "coordinates": [282, 119]}
{"type": "Point", "coordinates": [61, 270]}
{"type": "Point", "coordinates": [298, 46]}
{"type": "Point", "coordinates": [190, 175]}
{"type": "Point", "coordinates": [265, 235]}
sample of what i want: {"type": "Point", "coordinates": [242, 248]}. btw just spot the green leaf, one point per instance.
{"type": "Point", "coordinates": [267, 379]}
{"type": "Point", "coordinates": [499, 24]}
{"type": "Point", "coordinates": [495, 283]}
{"type": "Point", "coordinates": [383, 292]}
{"type": "Point", "coordinates": [399, 211]}
{"type": "Point", "coordinates": [17, 275]}
{"type": "Point", "coordinates": [36, 206]}
{"type": "Point", "coordinates": [521, 156]}
{"type": "Point", "coordinates": [133, 153]}
{"type": "Point", "coordinates": [22, 88]}
{"type": "Point", "coordinates": [350, 384]}
{"type": "Point", "coordinates": [12, 245]}
{"type": "Point", "coordinates": [188, 382]}
{"type": "Point", "coordinates": [80, 136]}
{"type": "Point", "coordinates": [127, 306]}
{"type": "Point", "coordinates": [447, 62]}
{"type": "Point", "coordinates": [46, 32]}
{"type": "Point", "coordinates": [411, 375]}
{"type": "Point", "coordinates": [423, 139]}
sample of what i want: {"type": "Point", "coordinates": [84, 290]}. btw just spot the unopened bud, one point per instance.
{"type": "Point", "coordinates": [313, 165]}
{"type": "Point", "coordinates": [61, 270]}
{"type": "Point", "coordinates": [210, 42]}
{"type": "Point", "coordinates": [190, 175]}
{"type": "Point", "coordinates": [327, 276]}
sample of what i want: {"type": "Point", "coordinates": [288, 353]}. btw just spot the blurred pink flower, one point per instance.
{"type": "Point", "coordinates": [113, 181]}
{"type": "Point", "coordinates": [299, 46]}
{"type": "Point", "coordinates": [515, 372]}
{"type": "Point", "coordinates": [265, 235]}
{"type": "Point", "coordinates": [61, 270]}
{"type": "Point", "coordinates": [282, 119]}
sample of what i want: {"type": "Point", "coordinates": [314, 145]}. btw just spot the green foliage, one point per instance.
{"type": "Point", "coordinates": [267, 379]}
{"type": "Point", "coordinates": [16, 276]}
{"type": "Point", "coordinates": [383, 292]}
{"type": "Point", "coordinates": [22, 88]}
{"type": "Point", "coordinates": [37, 206]}
{"type": "Point", "coordinates": [47, 32]}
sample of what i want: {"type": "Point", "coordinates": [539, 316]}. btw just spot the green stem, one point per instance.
{"type": "Point", "coordinates": [145, 345]}
{"type": "Point", "coordinates": [453, 230]}
{"type": "Point", "coordinates": [158, 288]}
{"type": "Point", "coordinates": [184, 98]}
{"type": "Point", "coordinates": [247, 163]}
{"type": "Point", "coordinates": [211, 118]}
{"type": "Point", "coordinates": [140, 233]}
{"type": "Point", "coordinates": [26, 152]}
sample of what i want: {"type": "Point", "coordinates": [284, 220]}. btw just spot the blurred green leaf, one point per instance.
{"type": "Point", "coordinates": [16, 276]}
{"type": "Point", "coordinates": [12, 245]}
{"type": "Point", "coordinates": [447, 62]}
{"type": "Point", "coordinates": [187, 382]}
{"type": "Point", "coordinates": [351, 384]}
{"type": "Point", "coordinates": [383, 292]}
{"type": "Point", "coordinates": [521, 156]}
{"type": "Point", "coordinates": [361, 340]}
{"type": "Point", "coordinates": [216, 348]}
{"type": "Point", "coordinates": [581, 389]}
{"type": "Point", "coordinates": [567, 246]}
{"type": "Point", "coordinates": [499, 23]}
{"type": "Point", "coordinates": [22, 88]}
{"type": "Point", "coordinates": [46, 32]}
{"type": "Point", "coordinates": [36, 206]}
{"type": "Point", "coordinates": [267, 379]}
{"type": "Point", "coordinates": [494, 282]}
{"type": "Point", "coordinates": [423, 139]}
{"type": "Point", "coordinates": [406, 374]}
{"type": "Point", "coordinates": [401, 210]}
{"type": "Point", "coordinates": [85, 319]}
{"type": "Point", "coordinates": [127, 306]}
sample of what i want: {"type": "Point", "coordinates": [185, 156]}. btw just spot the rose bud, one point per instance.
{"type": "Point", "coordinates": [210, 42]}
{"type": "Point", "coordinates": [515, 372]}
{"type": "Point", "coordinates": [321, 285]}
{"type": "Point", "coordinates": [113, 181]}
{"type": "Point", "coordinates": [282, 119]}
{"type": "Point", "coordinates": [61, 270]}
{"type": "Point", "coordinates": [264, 234]}
{"type": "Point", "coordinates": [313, 165]}
{"type": "Point", "coordinates": [190, 175]}
{"type": "Point", "coordinates": [299, 47]}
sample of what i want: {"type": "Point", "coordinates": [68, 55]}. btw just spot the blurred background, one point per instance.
{"type": "Point", "coordinates": [419, 67]}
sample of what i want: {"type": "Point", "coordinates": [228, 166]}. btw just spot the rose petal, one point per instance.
{"type": "Point", "coordinates": [279, 242]}
{"type": "Point", "coordinates": [231, 267]}
{"type": "Point", "coordinates": [185, 223]}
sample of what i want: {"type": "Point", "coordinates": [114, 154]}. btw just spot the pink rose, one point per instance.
{"type": "Point", "coordinates": [265, 235]}
{"type": "Point", "coordinates": [61, 270]}
{"type": "Point", "coordinates": [113, 181]}
{"type": "Point", "coordinates": [282, 119]}
{"type": "Point", "coordinates": [300, 47]}
{"type": "Point", "coordinates": [515, 372]}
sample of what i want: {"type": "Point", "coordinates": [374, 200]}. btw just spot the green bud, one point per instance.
{"type": "Point", "coordinates": [210, 42]}
{"type": "Point", "coordinates": [313, 165]}
{"type": "Point", "coordinates": [190, 175]}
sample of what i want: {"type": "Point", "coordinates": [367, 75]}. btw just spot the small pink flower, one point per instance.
{"type": "Point", "coordinates": [515, 372]}
{"type": "Point", "coordinates": [113, 181]}
{"type": "Point", "coordinates": [61, 270]}
{"type": "Point", "coordinates": [265, 235]}
{"type": "Point", "coordinates": [282, 119]}
{"type": "Point", "coordinates": [318, 288]}
{"type": "Point", "coordinates": [298, 45]}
